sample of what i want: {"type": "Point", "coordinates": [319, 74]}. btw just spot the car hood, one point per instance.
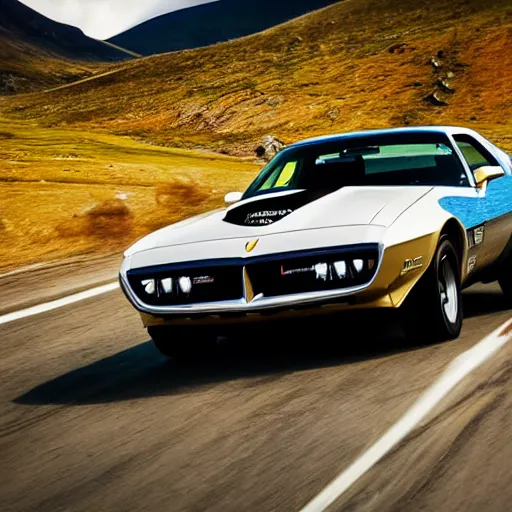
{"type": "Point", "coordinates": [350, 206]}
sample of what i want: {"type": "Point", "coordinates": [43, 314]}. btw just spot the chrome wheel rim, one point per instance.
{"type": "Point", "coordinates": [448, 291]}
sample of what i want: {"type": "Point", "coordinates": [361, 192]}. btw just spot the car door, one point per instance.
{"type": "Point", "coordinates": [489, 218]}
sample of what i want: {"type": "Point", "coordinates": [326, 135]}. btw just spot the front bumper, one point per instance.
{"type": "Point", "coordinates": [387, 289]}
{"type": "Point", "coordinates": [250, 301]}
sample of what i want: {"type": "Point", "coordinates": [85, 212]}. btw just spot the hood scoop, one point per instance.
{"type": "Point", "coordinates": [268, 210]}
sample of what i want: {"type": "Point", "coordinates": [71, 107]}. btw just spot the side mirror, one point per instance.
{"type": "Point", "coordinates": [487, 173]}
{"type": "Point", "coordinates": [233, 197]}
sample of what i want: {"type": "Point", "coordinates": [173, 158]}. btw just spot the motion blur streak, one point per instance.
{"type": "Point", "coordinates": [59, 303]}
{"type": "Point", "coordinates": [460, 368]}
{"type": "Point", "coordinates": [91, 417]}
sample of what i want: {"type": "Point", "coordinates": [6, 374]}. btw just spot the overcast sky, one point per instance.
{"type": "Point", "coordinates": [103, 19]}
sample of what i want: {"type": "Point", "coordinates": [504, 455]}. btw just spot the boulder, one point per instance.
{"type": "Point", "coordinates": [435, 63]}
{"type": "Point", "coordinates": [445, 86]}
{"type": "Point", "coordinates": [294, 43]}
{"type": "Point", "coordinates": [436, 100]}
{"type": "Point", "coordinates": [397, 48]}
{"type": "Point", "coordinates": [275, 101]}
{"type": "Point", "coordinates": [333, 113]}
{"type": "Point", "coordinates": [9, 83]}
{"type": "Point", "coordinates": [269, 148]}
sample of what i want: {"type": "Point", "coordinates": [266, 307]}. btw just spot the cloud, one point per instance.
{"type": "Point", "coordinates": [103, 19]}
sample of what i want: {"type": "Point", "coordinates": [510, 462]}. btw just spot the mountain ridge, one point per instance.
{"type": "Point", "coordinates": [39, 52]}
{"type": "Point", "coordinates": [211, 23]}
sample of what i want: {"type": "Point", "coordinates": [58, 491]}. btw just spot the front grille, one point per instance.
{"type": "Point", "coordinates": [323, 271]}
{"type": "Point", "coordinates": [161, 286]}
{"type": "Point", "coordinates": [271, 276]}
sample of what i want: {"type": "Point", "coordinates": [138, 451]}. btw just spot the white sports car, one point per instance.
{"type": "Point", "coordinates": [400, 219]}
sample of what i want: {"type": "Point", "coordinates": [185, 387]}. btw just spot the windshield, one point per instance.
{"type": "Point", "coordinates": [367, 161]}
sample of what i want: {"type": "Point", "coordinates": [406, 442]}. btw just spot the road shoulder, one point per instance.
{"type": "Point", "coordinates": [38, 284]}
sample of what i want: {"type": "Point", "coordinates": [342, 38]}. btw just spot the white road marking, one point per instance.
{"type": "Point", "coordinates": [59, 303]}
{"type": "Point", "coordinates": [460, 368]}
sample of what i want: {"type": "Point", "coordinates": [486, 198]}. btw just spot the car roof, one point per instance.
{"type": "Point", "coordinates": [445, 130]}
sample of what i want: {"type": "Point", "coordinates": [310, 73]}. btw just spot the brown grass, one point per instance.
{"type": "Point", "coordinates": [108, 220]}
{"type": "Point", "coordinates": [25, 67]}
{"type": "Point", "coordinates": [184, 192]}
{"type": "Point", "coordinates": [358, 64]}
{"type": "Point", "coordinates": [355, 65]}
{"type": "Point", "coordinates": [68, 192]}
{"type": "Point", "coordinates": [110, 209]}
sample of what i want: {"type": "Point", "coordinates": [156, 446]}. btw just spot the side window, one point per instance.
{"type": "Point", "coordinates": [474, 153]}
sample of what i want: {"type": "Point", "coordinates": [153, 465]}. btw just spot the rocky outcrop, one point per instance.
{"type": "Point", "coordinates": [436, 100]}
{"type": "Point", "coordinates": [295, 43]}
{"type": "Point", "coordinates": [333, 113]}
{"type": "Point", "coordinates": [445, 86]}
{"type": "Point", "coordinates": [397, 48]}
{"type": "Point", "coordinates": [11, 84]}
{"type": "Point", "coordinates": [269, 148]}
{"type": "Point", "coordinates": [436, 64]}
{"type": "Point", "coordinates": [441, 64]}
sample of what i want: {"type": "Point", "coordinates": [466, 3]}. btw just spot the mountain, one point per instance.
{"type": "Point", "coordinates": [357, 64]}
{"type": "Point", "coordinates": [211, 23]}
{"type": "Point", "coordinates": [38, 52]}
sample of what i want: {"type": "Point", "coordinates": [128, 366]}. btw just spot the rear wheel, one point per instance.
{"type": "Point", "coordinates": [182, 343]}
{"type": "Point", "coordinates": [505, 279]}
{"type": "Point", "coordinates": [433, 310]}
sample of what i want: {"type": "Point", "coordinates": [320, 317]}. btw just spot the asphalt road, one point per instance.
{"type": "Point", "coordinates": [93, 418]}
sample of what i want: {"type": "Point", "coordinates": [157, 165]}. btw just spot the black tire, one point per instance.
{"type": "Point", "coordinates": [505, 281]}
{"type": "Point", "coordinates": [433, 310]}
{"type": "Point", "coordinates": [182, 343]}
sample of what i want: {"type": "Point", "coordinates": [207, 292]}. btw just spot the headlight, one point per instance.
{"type": "Point", "coordinates": [322, 271]}
{"type": "Point", "coordinates": [149, 286]}
{"type": "Point", "coordinates": [185, 284]}
{"type": "Point", "coordinates": [358, 265]}
{"type": "Point", "coordinates": [341, 269]}
{"type": "Point", "coordinates": [166, 285]}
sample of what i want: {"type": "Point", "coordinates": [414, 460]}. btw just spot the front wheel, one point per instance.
{"type": "Point", "coordinates": [505, 280]}
{"type": "Point", "coordinates": [433, 310]}
{"type": "Point", "coordinates": [182, 343]}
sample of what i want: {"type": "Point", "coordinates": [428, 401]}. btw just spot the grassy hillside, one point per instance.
{"type": "Point", "coordinates": [357, 64]}
{"type": "Point", "coordinates": [212, 23]}
{"type": "Point", "coordinates": [67, 192]}
{"type": "Point", "coordinates": [37, 52]}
